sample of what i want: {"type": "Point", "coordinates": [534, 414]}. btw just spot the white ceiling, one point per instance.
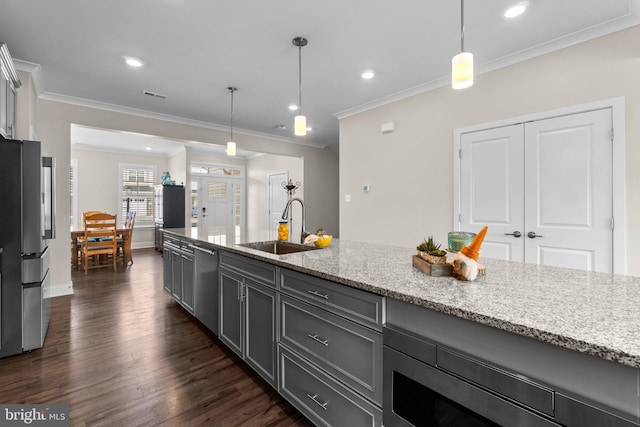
{"type": "Point", "coordinates": [194, 49]}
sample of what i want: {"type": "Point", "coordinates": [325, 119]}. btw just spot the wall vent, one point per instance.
{"type": "Point", "coordinates": [155, 95]}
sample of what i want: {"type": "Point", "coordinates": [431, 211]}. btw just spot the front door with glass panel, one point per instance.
{"type": "Point", "coordinates": [216, 197]}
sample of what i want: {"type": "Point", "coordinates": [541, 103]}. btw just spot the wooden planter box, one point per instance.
{"type": "Point", "coordinates": [437, 270]}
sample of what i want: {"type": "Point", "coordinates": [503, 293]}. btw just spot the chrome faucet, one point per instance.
{"type": "Point", "coordinates": [285, 214]}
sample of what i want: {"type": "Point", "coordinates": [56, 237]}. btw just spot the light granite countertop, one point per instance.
{"type": "Point", "coordinates": [593, 313]}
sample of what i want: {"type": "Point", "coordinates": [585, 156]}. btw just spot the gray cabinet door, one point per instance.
{"type": "Point", "coordinates": [176, 265]}
{"type": "Point", "coordinates": [260, 339]}
{"type": "Point", "coordinates": [187, 283]}
{"type": "Point", "coordinates": [188, 293]}
{"type": "Point", "coordinates": [231, 310]}
{"type": "Point", "coordinates": [168, 271]}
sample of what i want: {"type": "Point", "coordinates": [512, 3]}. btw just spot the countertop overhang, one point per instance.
{"type": "Point", "coordinates": [592, 313]}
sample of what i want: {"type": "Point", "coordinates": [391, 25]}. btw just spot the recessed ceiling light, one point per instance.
{"type": "Point", "coordinates": [147, 148]}
{"type": "Point", "coordinates": [133, 62]}
{"type": "Point", "coordinates": [293, 107]}
{"type": "Point", "coordinates": [309, 128]}
{"type": "Point", "coordinates": [368, 74]}
{"type": "Point", "coordinates": [516, 10]}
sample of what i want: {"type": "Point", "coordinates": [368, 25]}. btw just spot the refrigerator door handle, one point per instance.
{"type": "Point", "coordinates": [49, 196]}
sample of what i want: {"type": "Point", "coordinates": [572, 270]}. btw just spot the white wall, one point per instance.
{"type": "Point", "coordinates": [411, 170]}
{"type": "Point", "coordinates": [54, 120]}
{"type": "Point", "coordinates": [98, 184]}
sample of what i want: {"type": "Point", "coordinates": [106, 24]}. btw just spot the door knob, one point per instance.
{"type": "Point", "coordinates": [514, 234]}
{"type": "Point", "coordinates": [533, 235]}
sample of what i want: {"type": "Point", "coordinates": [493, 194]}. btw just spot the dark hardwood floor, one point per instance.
{"type": "Point", "coordinates": [121, 352]}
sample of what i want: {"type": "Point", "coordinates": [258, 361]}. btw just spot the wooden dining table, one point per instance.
{"type": "Point", "coordinates": [76, 233]}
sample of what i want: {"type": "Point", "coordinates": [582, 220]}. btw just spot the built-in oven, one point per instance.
{"type": "Point", "coordinates": [430, 385]}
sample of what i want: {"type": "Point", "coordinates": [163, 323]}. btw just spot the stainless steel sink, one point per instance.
{"type": "Point", "coordinates": [279, 247]}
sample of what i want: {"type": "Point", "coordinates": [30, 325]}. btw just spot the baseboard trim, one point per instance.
{"type": "Point", "coordinates": [61, 289]}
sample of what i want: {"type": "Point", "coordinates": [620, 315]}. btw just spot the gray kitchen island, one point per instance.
{"type": "Point", "coordinates": [531, 345]}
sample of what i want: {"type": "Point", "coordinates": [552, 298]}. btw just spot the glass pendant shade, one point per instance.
{"type": "Point", "coordinates": [300, 121]}
{"type": "Point", "coordinates": [462, 70]}
{"type": "Point", "coordinates": [300, 126]}
{"type": "Point", "coordinates": [231, 148]}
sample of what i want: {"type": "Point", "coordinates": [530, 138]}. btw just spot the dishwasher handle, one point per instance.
{"type": "Point", "coordinates": [207, 251]}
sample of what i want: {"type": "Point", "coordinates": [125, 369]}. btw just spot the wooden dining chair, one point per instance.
{"type": "Point", "coordinates": [76, 246]}
{"type": "Point", "coordinates": [124, 241]}
{"type": "Point", "coordinates": [99, 240]}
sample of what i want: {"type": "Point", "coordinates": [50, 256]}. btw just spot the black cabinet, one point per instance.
{"type": "Point", "coordinates": [169, 209]}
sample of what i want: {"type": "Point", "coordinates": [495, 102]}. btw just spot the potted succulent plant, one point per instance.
{"type": "Point", "coordinates": [431, 252]}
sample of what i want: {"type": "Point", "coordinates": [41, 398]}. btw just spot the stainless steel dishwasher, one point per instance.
{"type": "Point", "coordinates": [206, 287]}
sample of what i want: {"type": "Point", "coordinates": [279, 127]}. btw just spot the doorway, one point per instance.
{"type": "Point", "coordinates": [545, 188]}
{"type": "Point", "coordinates": [219, 196]}
{"type": "Point", "coordinates": [277, 200]}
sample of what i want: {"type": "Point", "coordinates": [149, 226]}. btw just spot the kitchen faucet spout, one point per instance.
{"type": "Point", "coordinates": [285, 215]}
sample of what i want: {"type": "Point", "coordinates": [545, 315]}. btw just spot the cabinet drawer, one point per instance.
{"type": "Point", "coordinates": [322, 399]}
{"type": "Point", "coordinates": [259, 270]}
{"type": "Point", "coordinates": [350, 352]}
{"type": "Point", "coordinates": [359, 306]}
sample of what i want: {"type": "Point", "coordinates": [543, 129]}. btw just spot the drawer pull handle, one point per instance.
{"type": "Point", "coordinates": [315, 338]}
{"type": "Point", "coordinates": [317, 402]}
{"type": "Point", "coordinates": [318, 294]}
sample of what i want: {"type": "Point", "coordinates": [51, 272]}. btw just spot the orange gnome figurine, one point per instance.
{"type": "Point", "coordinates": [465, 263]}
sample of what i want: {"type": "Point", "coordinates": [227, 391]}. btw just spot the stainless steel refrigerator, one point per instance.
{"type": "Point", "coordinates": [27, 218]}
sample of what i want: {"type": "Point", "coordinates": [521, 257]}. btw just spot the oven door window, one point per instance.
{"type": "Point", "coordinates": [422, 406]}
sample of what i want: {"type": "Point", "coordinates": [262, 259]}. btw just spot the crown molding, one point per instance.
{"type": "Point", "coordinates": [38, 82]}
{"type": "Point", "coordinates": [167, 118]}
{"type": "Point", "coordinates": [87, 147]}
{"type": "Point", "coordinates": [618, 24]}
{"type": "Point", "coordinates": [36, 74]}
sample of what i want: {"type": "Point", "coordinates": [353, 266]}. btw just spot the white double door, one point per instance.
{"type": "Point", "coordinates": [545, 190]}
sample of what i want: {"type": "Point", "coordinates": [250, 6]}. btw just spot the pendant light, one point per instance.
{"type": "Point", "coordinates": [300, 121]}
{"type": "Point", "coordinates": [462, 63]}
{"type": "Point", "coordinates": [231, 146]}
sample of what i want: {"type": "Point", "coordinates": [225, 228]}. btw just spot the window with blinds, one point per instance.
{"type": "Point", "coordinates": [237, 204]}
{"type": "Point", "coordinates": [136, 192]}
{"type": "Point", "coordinates": [217, 190]}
